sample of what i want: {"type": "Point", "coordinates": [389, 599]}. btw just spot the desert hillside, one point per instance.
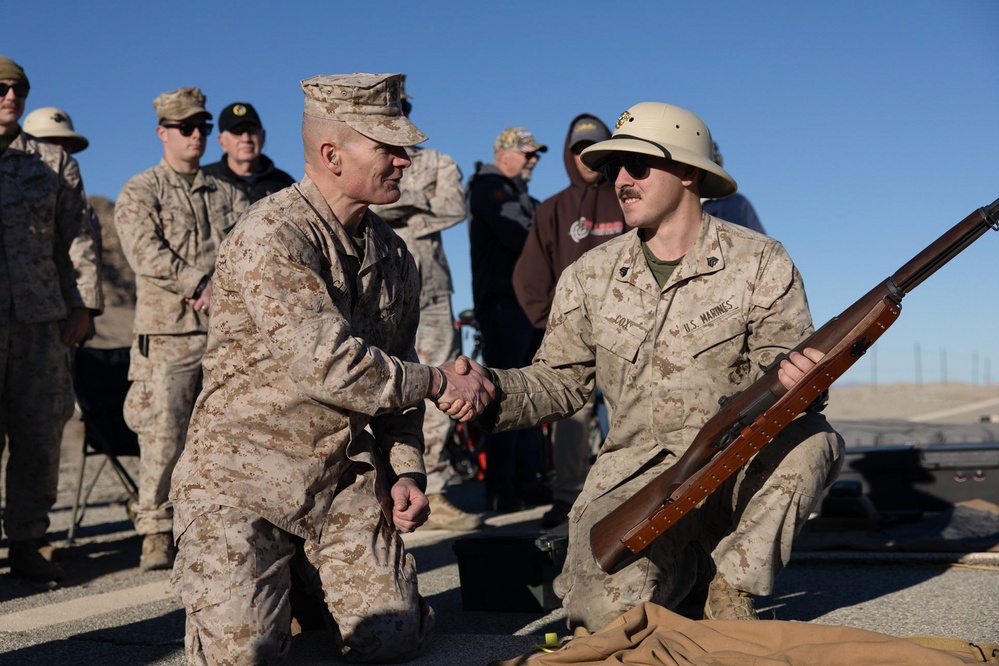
{"type": "Point", "coordinates": [939, 403]}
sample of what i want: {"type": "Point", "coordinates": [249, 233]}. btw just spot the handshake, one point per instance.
{"type": "Point", "coordinates": [462, 388]}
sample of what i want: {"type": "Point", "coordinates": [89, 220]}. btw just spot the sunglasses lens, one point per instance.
{"type": "Point", "coordinates": [610, 169]}
{"type": "Point", "coordinates": [20, 89]}
{"type": "Point", "coordinates": [635, 165]}
{"type": "Point", "coordinates": [187, 129]}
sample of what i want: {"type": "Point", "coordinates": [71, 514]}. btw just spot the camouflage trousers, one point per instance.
{"type": "Point", "coordinates": [233, 572]}
{"type": "Point", "coordinates": [36, 401]}
{"type": "Point", "coordinates": [165, 383]}
{"type": "Point", "coordinates": [747, 525]}
{"type": "Point", "coordinates": [436, 343]}
{"type": "Point", "coordinates": [571, 450]}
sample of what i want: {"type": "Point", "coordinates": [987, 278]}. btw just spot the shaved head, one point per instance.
{"type": "Point", "coordinates": [316, 131]}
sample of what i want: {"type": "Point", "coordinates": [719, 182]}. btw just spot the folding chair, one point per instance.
{"type": "Point", "coordinates": [100, 381]}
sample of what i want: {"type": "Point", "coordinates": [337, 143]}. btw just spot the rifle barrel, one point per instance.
{"type": "Point", "coordinates": [945, 248]}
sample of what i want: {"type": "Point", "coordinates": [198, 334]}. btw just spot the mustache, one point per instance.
{"type": "Point", "coordinates": [628, 192]}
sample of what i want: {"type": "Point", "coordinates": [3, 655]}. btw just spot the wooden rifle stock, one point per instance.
{"type": "Point", "coordinates": [752, 418]}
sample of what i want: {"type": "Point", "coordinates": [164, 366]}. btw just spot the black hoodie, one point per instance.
{"type": "Point", "coordinates": [565, 225]}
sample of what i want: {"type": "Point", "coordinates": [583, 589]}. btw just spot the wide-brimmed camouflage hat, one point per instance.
{"type": "Point", "coordinates": [180, 104]}
{"type": "Point", "coordinates": [665, 130]}
{"type": "Point", "coordinates": [369, 103]}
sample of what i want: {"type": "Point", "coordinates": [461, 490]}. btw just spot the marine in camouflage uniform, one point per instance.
{"type": "Point", "coordinates": [170, 223]}
{"type": "Point", "coordinates": [663, 355]}
{"type": "Point", "coordinates": [433, 200]}
{"type": "Point", "coordinates": [49, 288]}
{"type": "Point", "coordinates": [304, 456]}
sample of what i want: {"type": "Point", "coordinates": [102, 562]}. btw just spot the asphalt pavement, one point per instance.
{"type": "Point", "coordinates": [107, 612]}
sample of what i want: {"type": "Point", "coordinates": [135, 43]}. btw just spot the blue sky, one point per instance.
{"type": "Point", "coordinates": [860, 131]}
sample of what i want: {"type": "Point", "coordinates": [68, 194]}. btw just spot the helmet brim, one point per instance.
{"type": "Point", "coordinates": [717, 182]}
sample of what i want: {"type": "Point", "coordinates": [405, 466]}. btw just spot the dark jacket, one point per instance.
{"type": "Point", "coordinates": [565, 225]}
{"type": "Point", "coordinates": [267, 182]}
{"type": "Point", "coordinates": [736, 209]}
{"type": "Point", "coordinates": [499, 217]}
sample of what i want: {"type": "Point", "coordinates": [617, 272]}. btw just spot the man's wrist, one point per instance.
{"type": "Point", "coordinates": [442, 386]}
{"type": "Point", "coordinates": [201, 287]}
{"type": "Point", "coordinates": [419, 479]}
{"type": "Point", "coordinates": [494, 378]}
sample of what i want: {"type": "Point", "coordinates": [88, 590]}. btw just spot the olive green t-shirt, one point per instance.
{"type": "Point", "coordinates": [661, 270]}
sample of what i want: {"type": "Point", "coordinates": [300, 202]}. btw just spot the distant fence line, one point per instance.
{"type": "Point", "coordinates": [970, 368]}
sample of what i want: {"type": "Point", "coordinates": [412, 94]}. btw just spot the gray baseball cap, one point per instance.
{"type": "Point", "coordinates": [588, 129]}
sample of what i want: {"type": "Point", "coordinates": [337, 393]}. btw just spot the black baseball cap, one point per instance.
{"type": "Point", "coordinates": [238, 113]}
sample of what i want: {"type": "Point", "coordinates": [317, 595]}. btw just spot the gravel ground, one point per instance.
{"type": "Point", "coordinates": [109, 612]}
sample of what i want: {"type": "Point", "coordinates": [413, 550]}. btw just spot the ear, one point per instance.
{"type": "Point", "coordinates": [329, 155]}
{"type": "Point", "coordinates": [161, 132]}
{"type": "Point", "coordinates": [690, 175]}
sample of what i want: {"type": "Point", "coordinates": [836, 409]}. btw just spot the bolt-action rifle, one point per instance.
{"type": "Point", "coordinates": [750, 419]}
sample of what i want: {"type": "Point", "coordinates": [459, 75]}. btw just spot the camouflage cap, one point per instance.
{"type": "Point", "coordinates": [369, 103]}
{"type": "Point", "coordinates": [180, 104]}
{"type": "Point", "coordinates": [11, 70]}
{"type": "Point", "coordinates": [518, 138]}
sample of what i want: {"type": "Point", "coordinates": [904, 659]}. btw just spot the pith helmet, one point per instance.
{"type": "Point", "coordinates": [664, 130]}
{"type": "Point", "coordinates": [49, 122]}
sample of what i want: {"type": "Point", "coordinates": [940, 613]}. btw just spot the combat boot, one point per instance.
{"type": "Point", "coordinates": [157, 552]}
{"type": "Point", "coordinates": [33, 560]}
{"type": "Point", "coordinates": [446, 516]}
{"type": "Point", "coordinates": [727, 603]}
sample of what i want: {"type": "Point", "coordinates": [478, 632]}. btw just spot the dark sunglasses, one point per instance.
{"type": "Point", "coordinates": [187, 129]}
{"type": "Point", "coordinates": [20, 89]}
{"type": "Point", "coordinates": [531, 154]}
{"type": "Point", "coordinates": [240, 130]}
{"type": "Point", "coordinates": [634, 163]}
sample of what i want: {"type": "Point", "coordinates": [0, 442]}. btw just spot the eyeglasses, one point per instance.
{"type": "Point", "coordinates": [20, 89]}
{"type": "Point", "coordinates": [531, 154]}
{"type": "Point", "coordinates": [240, 130]}
{"type": "Point", "coordinates": [634, 163]}
{"type": "Point", "coordinates": [187, 129]}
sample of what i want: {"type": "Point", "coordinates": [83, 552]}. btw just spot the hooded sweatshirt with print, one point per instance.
{"type": "Point", "coordinates": [565, 225]}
